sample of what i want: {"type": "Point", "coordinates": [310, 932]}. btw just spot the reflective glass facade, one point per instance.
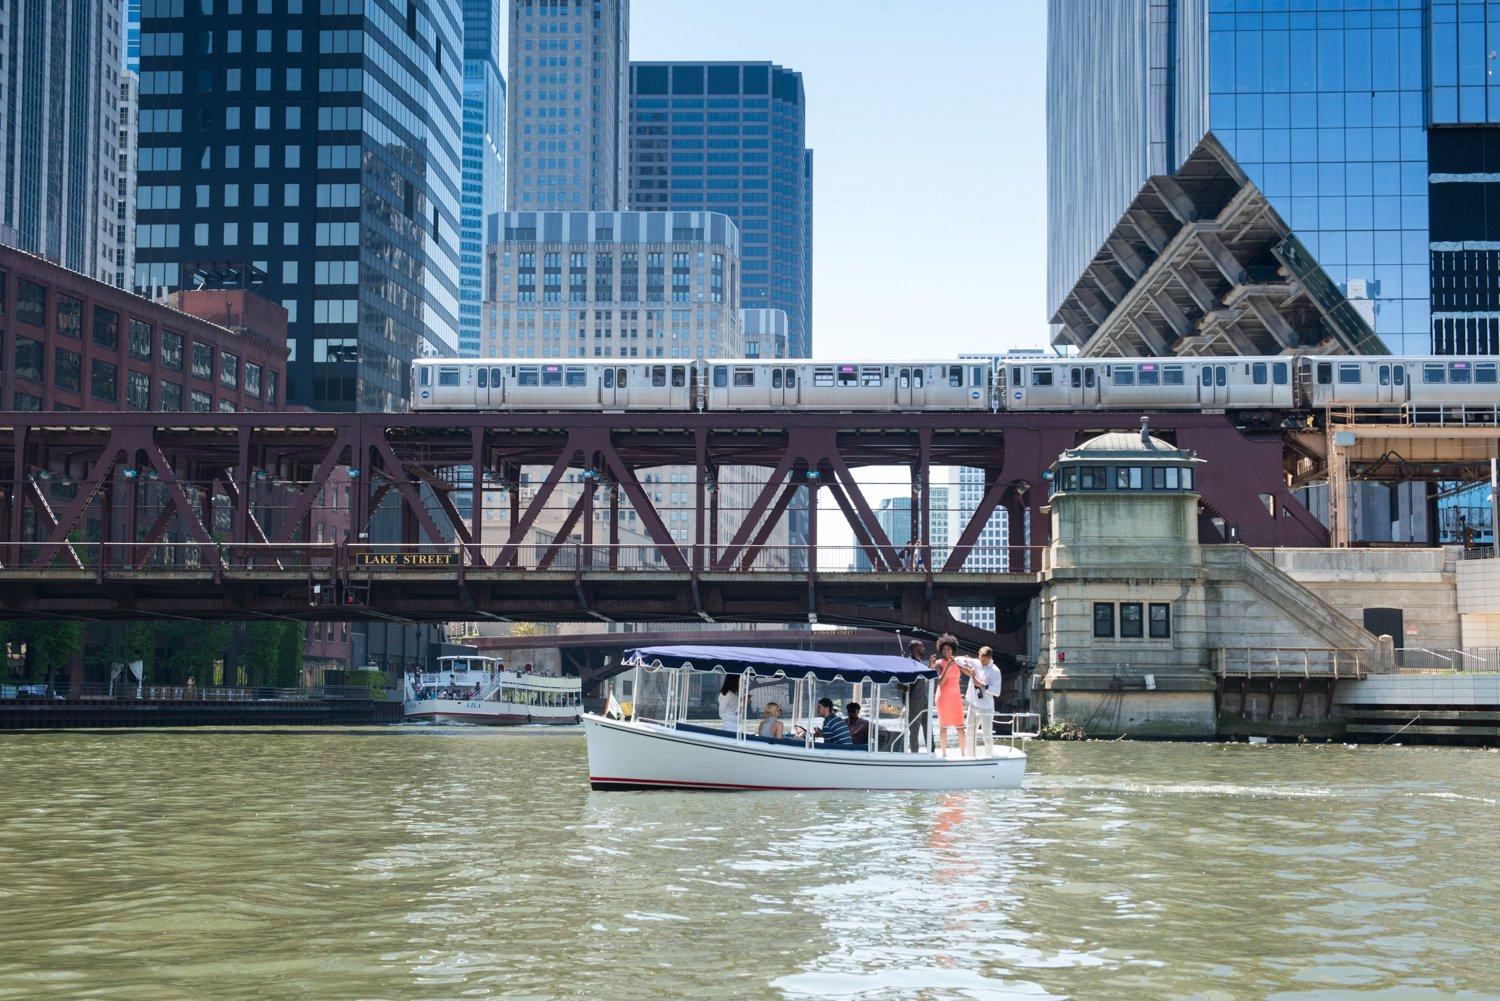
{"type": "Point", "coordinates": [319, 142]}
{"type": "Point", "coordinates": [731, 138]}
{"type": "Point", "coordinates": [482, 192]}
{"type": "Point", "coordinates": [1324, 103]}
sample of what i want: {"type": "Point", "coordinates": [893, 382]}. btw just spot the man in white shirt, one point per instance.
{"type": "Point", "coordinates": [984, 685]}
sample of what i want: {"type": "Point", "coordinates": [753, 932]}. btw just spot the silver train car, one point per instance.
{"type": "Point", "coordinates": [1262, 384]}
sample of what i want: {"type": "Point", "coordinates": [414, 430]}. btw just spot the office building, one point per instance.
{"type": "Point", "coordinates": [1364, 129]}
{"type": "Point", "coordinates": [125, 194]}
{"type": "Point", "coordinates": [60, 66]}
{"type": "Point", "coordinates": [312, 150]}
{"type": "Point", "coordinates": [765, 332]}
{"type": "Point", "coordinates": [568, 142]}
{"type": "Point", "coordinates": [731, 138]}
{"type": "Point", "coordinates": [894, 515]}
{"type": "Point", "coordinates": [482, 192]}
{"type": "Point", "coordinates": [990, 554]}
{"type": "Point", "coordinates": [613, 285]}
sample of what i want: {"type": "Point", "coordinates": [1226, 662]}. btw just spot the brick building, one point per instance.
{"type": "Point", "coordinates": [71, 342]}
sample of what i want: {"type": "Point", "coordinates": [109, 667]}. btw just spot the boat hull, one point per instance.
{"type": "Point", "coordinates": [627, 755]}
{"type": "Point", "coordinates": [475, 712]}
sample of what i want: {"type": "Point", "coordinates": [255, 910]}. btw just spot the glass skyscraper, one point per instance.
{"type": "Point", "coordinates": [1362, 121]}
{"type": "Point", "coordinates": [482, 193]}
{"type": "Point", "coordinates": [310, 149]}
{"type": "Point", "coordinates": [731, 138]}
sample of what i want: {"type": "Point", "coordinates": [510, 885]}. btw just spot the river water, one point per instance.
{"type": "Point", "coordinates": [460, 863]}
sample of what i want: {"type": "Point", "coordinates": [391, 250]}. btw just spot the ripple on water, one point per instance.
{"type": "Point", "coordinates": [428, 863]}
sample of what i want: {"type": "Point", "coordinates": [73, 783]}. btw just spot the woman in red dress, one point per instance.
{"type": "Point", "coordinates": [950, 704]}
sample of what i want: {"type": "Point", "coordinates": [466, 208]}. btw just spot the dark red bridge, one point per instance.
{"type": "Point", "coordinates": [140, 515]}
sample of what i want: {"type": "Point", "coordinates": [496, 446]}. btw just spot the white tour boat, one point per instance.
{"type": "Point", "coordinates": [480, 690]}
{"type": "Point", "coordinates": [653, 745]}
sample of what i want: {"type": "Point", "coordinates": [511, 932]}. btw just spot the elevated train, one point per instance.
{"type": "Point", "coordinates": [1274, 383]}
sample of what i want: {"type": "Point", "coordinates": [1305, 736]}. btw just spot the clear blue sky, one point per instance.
{"type": "Point", "coordinates": [926, 118]}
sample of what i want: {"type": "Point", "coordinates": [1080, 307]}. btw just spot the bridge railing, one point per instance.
{"type": "Point", "coordinates": [1289, 662]}
{"type": "Point", "coordinates": [1448, 660]}
{"type": "Point", "coordinates": [125, 558]}
{"type": "Point", "coordinates": [1472, 415]}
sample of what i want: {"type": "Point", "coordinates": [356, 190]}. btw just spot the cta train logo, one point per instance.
{"type": "Point", "coordinates": [1018, 394]}
{"type": "Point", "coordinates": [974, 395]}
{"type": "Point", "coordinates": [426, 394]}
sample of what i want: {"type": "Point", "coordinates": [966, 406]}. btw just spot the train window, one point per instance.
{"type": "Point", "coordinates": [424, 376]}
{"type": "Point", "coordinates": [1171, 375]}
{"type": "Point", "coordinates": [791, 378]}
{"type": "Point", "coordinates": [1124, 375]}
{"type": "Point", "coordinates": [871, 376]}
{"type": "Point", "coordinates": [1385, 375]}
{"type": "Point", "coordinates": [848, 375]}
{"type": "Point", "coordinates": [679, 376]}
{"type": "Point", "coordinates": [1015, 378]}
{"type": "Point", "coordinates": [448, 376]}
{"type": "Point", "coordinates": [552, 375]}
{"type": "Point", "coordinates": [1349, 373]}
{"type": "Point", "coordinates": [823, 377]}
{"type": "Point", "coordinates": [1221, 375]}
{"type": "Point", "coordinates": [1041, 377]}
{"type": "Point", "coordinates": [1258, 373]}
{"type": "Point", "coordinates": [1434, 373]}
{"type": "Point", "coordinates": [1400, 375]}
{"type": "Point", "coordinates": [775, 378]}
{"type": "Point", "coordinates": [1208, 375]}
{"type": "Point", "coordinates": [609, 378]}
{"type": "Point", "coordinates": [1325, 373]}
{"type": "Point", "coordinates": [1088, 377]}
{"type": "Point", "coordinates": [484, 378]}
{"type": "Point", "coordinates": [903, 379]}
{"type": "Point", "coordinates": [659, 376]}
{"type": "Point", "coordinates": [577, 376]}
{"type": "Point", "coordinates": [527, 375]}
{"type": "Point", "coordinates": [622, 378]}
{"type": "Point", "coordinates": [1279, 373]}
{"type": "Point", "coordinates": [1075, 378]}
{"type": "Point", "coordinates": [1150, 376]}
{"type": "Point", "coordinates": [744, 377]}
{"type": "Point", "coordinates": [955, 377]}
{"type": "Point", "coordinates": [976, 375]}
{"type": "Point", "coordinates": [917, 376]}
{"type": "Point", "coordinates": [721, 376]}
{"type": "Point", "coordinates": [494, 378]}
{"type": "Point", "coordinates": [1459, 372]}
{"type": "Point", "coordinates": [1485, 372]}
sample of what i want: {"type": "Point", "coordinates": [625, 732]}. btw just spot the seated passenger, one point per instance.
{"type": "Point", "coordinates": [833, 731]}
{"type": "Point", "coordinates": [859, 729]}
{"type": "Point", "coordinates": [770, 722]}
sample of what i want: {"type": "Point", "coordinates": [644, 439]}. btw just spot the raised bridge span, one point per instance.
{"type": "Point", "coordinates": [140, 515]}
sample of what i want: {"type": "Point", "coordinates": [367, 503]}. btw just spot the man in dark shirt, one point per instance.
{"type": "Point", "coordinates": [833, 731]}
{"type": "Point", "coordinates": [859, 730]}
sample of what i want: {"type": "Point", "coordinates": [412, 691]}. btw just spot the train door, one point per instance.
{"type": "Point", "coordinates": [1214, 385]}
{"type": "Point", "coordinates": [1083, 386]}
{"type": "Point", "coordinates": [916, 395]}
{"type": "Point", "coordinates": [491, 386]}
{"type": "Point", "coordinates": [614, 386]}
{"type": "Point", "coordinates": [783, 386]}
{"type": "Point", "coordinates": [1386, 390]}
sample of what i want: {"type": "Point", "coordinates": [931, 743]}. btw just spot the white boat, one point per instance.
{"type": "Point", "coordinates": [479, 690]}
{"type": "Point", "coordinates": [655, 746]}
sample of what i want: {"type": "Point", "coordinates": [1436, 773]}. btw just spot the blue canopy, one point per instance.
{"type": "Point", "coordinates": [879, 668]}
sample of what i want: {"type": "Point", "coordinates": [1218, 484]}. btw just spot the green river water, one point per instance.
{"type": "Point", "coordinates": [466, 863]}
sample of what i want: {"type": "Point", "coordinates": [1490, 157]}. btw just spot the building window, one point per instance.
{"type": "Point", "coordinates": [70, 316]}
{"type": "Point", "coordinates": [1104, 620]}
{"type": "Point", "coordinates": [106, 329]}
{"type": "Point", "coordinates": [171, 352]}
{"type": "Point", "coordinates": [31, 303]}
{"type": "Point", "coordinates": [203, 361]}
{"type": "Point", "coordinates": [67, 369]}
{"type": "Point", "coordinates": [229, 370]}
{"type": "Point", "coordinates": [28, 359]}
{"type": "Point", "coordinates": [26, 401]}
{"type": "Point", "coordinates": [252, 379]}
{"type": "Point", "coordinates": [1130, 620]}
{"type": "Point", "coordinates": [171, 396]}
{"type": "Point", "coordinates": [272, 380]}
{"type": "Point", "coordinates": [140, 340]}
{"type": "Point", "coordinates": [202, 403]}
{"type": "Point", "coordinates": [1160, 621]}
{"type": "Point", "coordinates": [104, 381]}
{"type": "Point", "coordinates": [138, 391]}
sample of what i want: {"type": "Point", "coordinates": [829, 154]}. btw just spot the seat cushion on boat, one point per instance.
{"type": "Point", "coordinates": [784, 741]}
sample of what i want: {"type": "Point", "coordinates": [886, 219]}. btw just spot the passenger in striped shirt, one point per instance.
{"type": "Point", "coordinates": [834, 731]}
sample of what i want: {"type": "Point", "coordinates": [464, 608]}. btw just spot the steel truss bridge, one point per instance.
{"type": "Point", "coordinates": [203, 516]}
